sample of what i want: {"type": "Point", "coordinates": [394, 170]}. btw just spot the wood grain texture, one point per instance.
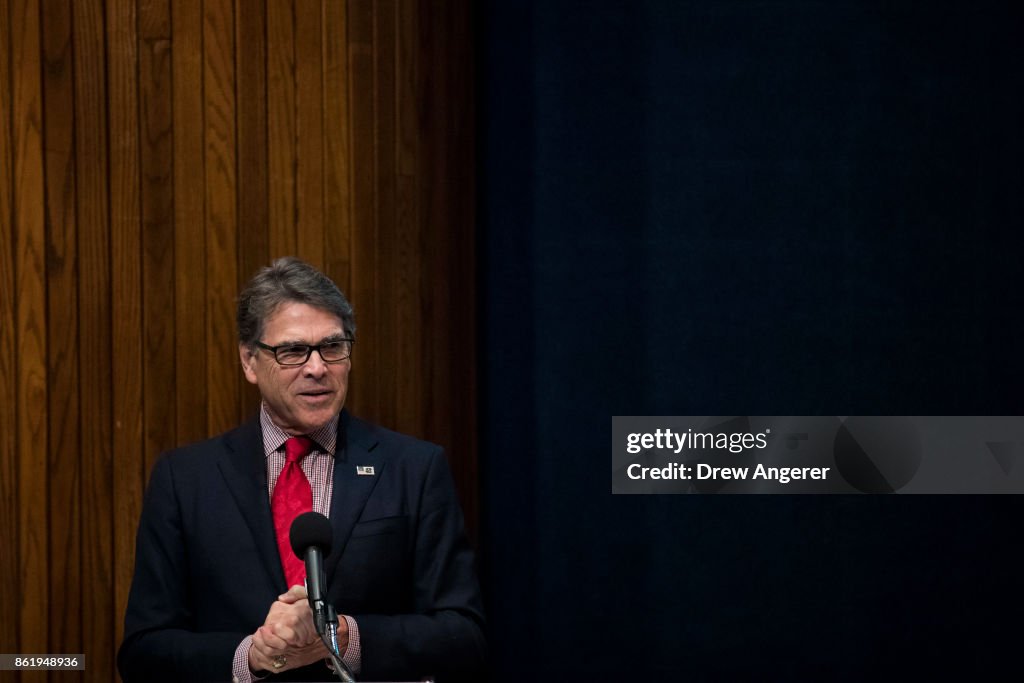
{"type": "Point", "coordinates": [448, 219]}
{"type": "Point", "coordinates": [412, 397]}
{"type": "Point", "coordinates": [336, 160]}
{"type": "Point", "coordinates": [154, 20]}
{"type": "Point", "coordinates": [409, 101]}
{"type": "Point", "coordinates": [282, 154]}
{"type": "Point", "coordinates": [30, 322]}
{"type": "Point", "coordinates": [309, 142]}
{"type": "Point", "coordinates": [157, 206]}
{"type": "Point", "coordinates": [253, 206]}
{"type": "Point", "coordinates": [220, 158]}
{"type": "Point", "coordinates": [190, 295]}
{"type": "Point", "coordinates": [10, 588]}
{"type": "Point", "coordinates": [94, 351]}
{"type": "Point", "coordinates": [364, 395]}
{"type": "Point", "coordinates": [126, 291]}
{"type": "Point", "coordinates": [63, 454]}
{"type": "Point", "coordinates": [388, 310]}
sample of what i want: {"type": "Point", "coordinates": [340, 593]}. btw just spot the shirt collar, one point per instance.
{"type": "Point", "coordinates": [274, 437]}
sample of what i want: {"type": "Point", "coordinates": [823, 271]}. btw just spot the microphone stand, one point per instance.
{"type": "Point", "coordinates": [330, 639]}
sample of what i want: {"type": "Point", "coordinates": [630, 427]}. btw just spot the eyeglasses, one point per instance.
{"type": "Point", "coordinates": [290, 355]}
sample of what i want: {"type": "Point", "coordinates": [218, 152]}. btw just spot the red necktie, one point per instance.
{"type": "Point", "coordinates": [292, 496]}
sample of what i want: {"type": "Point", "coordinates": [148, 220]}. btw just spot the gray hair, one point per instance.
{"type": "Point", "coordinates": [287, 280]}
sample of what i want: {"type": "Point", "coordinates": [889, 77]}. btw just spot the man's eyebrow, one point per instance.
{"type": "Point", "coordinates": [292, 342]}
{"type": "Point", "coordinates": [339, 336]}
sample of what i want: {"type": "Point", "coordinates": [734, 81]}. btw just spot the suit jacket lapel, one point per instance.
{"type": "Point", "coordinates": [351, 490]}
{"type": "Point", "coordinates": [245, 472]}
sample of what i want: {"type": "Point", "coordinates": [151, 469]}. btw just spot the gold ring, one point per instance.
{"type": "Point", "coordinates": [280, 661]}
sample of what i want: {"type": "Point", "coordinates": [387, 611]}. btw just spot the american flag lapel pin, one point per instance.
{"type": "Point", "coordinates": [364, 470]}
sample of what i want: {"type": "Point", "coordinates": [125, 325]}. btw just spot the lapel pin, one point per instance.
{"type": "Point", "coordinates": [364, 470]}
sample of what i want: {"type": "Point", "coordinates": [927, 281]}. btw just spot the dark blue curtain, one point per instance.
{"type": "Point", "coordinates": [716, 208]}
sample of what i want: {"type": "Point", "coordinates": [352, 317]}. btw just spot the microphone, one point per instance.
{"type": "Point", "coordinates": [310, 537]}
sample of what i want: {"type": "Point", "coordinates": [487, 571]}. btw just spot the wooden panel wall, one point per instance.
{"type": "Point", "coordinates": [153, 155]}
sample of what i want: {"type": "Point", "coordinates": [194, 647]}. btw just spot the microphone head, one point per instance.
{"type": "Point", "coordinates": [310, 529]}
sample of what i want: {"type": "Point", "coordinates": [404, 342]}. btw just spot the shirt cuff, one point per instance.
{"type": "Point", "coordinates": [240, 665]}
{"type": "Point", "coordinates": [353, 656]}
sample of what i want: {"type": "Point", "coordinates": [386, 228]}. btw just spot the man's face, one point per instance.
{"type": "Point", "coordinates": [302, 398]}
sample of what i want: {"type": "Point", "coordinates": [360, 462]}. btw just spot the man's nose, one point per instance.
{"type": "Point", "coordinates": [315, 365]}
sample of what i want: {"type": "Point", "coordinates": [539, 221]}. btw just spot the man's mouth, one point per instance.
{"type": "Point", "coordinates": [315, 393]}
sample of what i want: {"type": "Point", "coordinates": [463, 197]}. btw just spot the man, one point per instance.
{"type": "Point", "coordinates": [210, 599]}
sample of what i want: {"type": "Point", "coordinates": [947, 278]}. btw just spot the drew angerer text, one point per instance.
{"type": "Point", "coordinates": [677, 470]}
{"type": "Point", "coordinates": [676, 442]}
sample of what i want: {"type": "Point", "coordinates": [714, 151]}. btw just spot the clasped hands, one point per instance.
{"type": "Point", "coordinates": [288, 638]}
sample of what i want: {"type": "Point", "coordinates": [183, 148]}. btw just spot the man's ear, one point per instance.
{"type": "Point", "coordinates": [247, 355]}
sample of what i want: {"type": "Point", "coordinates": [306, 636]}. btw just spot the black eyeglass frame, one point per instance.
{"type": "Point", "coordinates": [310, 348]}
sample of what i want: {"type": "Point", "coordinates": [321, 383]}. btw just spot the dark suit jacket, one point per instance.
{"type": "Point", "coordinates": [207, 567]}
